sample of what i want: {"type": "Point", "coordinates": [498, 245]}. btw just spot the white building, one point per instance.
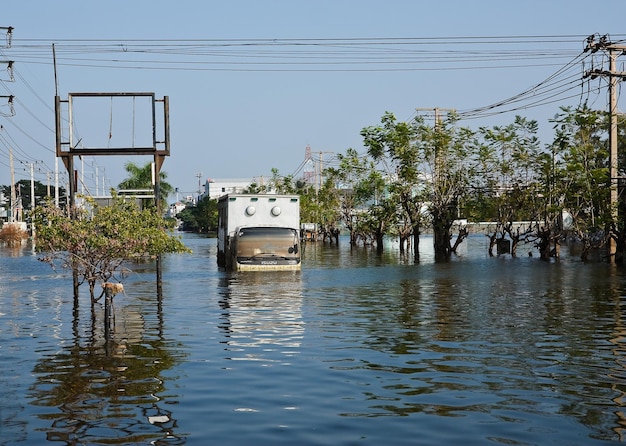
{"type": "Point", "coordinates": [216, 188]}
{"type": "Point", "coordinates": [175, 208]}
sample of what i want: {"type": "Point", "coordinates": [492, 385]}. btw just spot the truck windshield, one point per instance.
{"type": "Point", "coordinates": [262, 242]}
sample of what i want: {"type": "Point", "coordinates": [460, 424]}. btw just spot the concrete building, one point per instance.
{"type": "Point", "coordinates": [175, 208]}
{"type": "Point", "coordinates": [214, 188]}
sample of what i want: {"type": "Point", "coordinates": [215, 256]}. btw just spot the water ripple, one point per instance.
{"type": "Point", "coordinates": [355, 348]}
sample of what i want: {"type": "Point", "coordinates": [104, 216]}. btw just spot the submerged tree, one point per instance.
{"type": "Point", "coordinates": [12, 235]}
{"type": "Point", "coordinates": [509, 174]}
{"type": "Point", "coordinates": [427, 167]}
{"type": "Point", "coordinates": [450, 160]}
{"type": "Point", "coordinates": [393, 145]}
{"type": "Point", "coordinates": [97, 243]}
{"type": "Point", "coordinates": [200, 217]}
{"type": "Point", "coordinates": [323, 206]}
{"type": "Point", "coordinates": [352, 181]}
{"type": "Point", "coordinates": [583, 176]}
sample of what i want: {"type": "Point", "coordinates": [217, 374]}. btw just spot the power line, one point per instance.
{"type": "Point", "coordinates": [413, 54]}
{"type": "Point", "coordinates": [358, 54]}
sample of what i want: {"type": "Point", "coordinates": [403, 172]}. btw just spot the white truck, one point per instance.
{"type": "Point", "coordinates": [258, 232]}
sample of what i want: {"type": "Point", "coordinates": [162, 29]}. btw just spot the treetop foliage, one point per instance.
{"type": "Point", "coordinates": [96, 241]}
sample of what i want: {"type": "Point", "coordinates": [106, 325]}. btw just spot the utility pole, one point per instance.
{"type": "Point", "coordinates": [12, 206]}
{"type": "Point", "coordinates": [56, 181]}
{"type": "Point", "coordinates": [437, 111]}
{"type": "Point", "coordinates": [32, 186]}
{"type": "Point", "coordinates": [32, 197]}
{"type": "Point", "coordinates": [319, 172]}
{"type": "Point", "coordinates": [199, 176]}
{"type": "Point", "coordinates": [32, 181]}
{"type": "Point", "coordinates": [102, 183]}
{"type": "Point", "coordinates": [58, 130]}
{"type": "Point", "coordinates": [96, 177]}
{"type": "Point", "coordinates": [613, 50]}
{"type": "Point", "coordinates": [13, 196]}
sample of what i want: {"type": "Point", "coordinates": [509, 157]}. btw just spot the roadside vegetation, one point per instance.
{"type": "Point", "coordinates": [199, 217]}
{"type": "Point", "coordinates": [98, 243]}
{"type": "Point", "coordinates": [416, 176]}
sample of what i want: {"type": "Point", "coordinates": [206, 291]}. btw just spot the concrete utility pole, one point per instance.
{"type": "Point", "coordinates": [437, 111]}
{"type": "Point", "coordinates": [13, 196]}
{"type": "Point", "coordinates": [319, 171]}
{"type": "Point", "coordinates": [32, 195]}
{"type": "Point", "coordinates": [613, 50]}
{"type": "Point", "coordinates": [199, 177]}
{"type": "Point", "coordinates": [32, 186]}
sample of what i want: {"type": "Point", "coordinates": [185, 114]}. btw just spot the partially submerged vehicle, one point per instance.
{"type": "Point", "coordinates": [258, 232]}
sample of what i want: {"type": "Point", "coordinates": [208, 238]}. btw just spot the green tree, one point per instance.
{"type": "Point", "coordinates": [393, 145]}
{"type": "Point", "coordinates": [450, 161]}
{"type": "Point", "coordinates": [314, 205]}
{"type": "Point", "coordinates": [382, 213]}
{"type": "Point", "coordinates": [508, 178]}
{"type": "Point", "coordinates": [98, 242]}
{"type": "Point", "coordinates": [282, 184]}
{"type": "Point", "coordinates": [22, 188]}
{"type": "Point", "coordinates": [350, 186]}
{"type": "Point", "coordinates": [140, 177]}
{"type": "Point", "coordinates": [427, 166]}
{"type": "Point", "coordinates": [188, 217]}
{"type": "Point", "coordinates": [326, 205]}
{"type": "Point", "coordinates": [583, 177]}
{"type": "Point", "coordinates": [201, 217]}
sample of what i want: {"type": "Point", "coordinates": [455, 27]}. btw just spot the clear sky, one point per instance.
{"type": "Point", "coordinates": [252, 83]}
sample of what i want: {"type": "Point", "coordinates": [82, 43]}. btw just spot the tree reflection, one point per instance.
{"type": "Point", "coordinates": [101, 391]}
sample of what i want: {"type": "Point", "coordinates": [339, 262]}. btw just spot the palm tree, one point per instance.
{"type": "Point", "coordinates": [141, 178]}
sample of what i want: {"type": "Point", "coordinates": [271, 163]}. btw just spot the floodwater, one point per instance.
{"type": "Point", "coordinates": [354, 349]}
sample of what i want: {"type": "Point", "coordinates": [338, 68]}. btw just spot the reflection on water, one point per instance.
{"type": "Point", "coordinates": [261, 311]}
{"type": "Point", "coordinates": [355, 348]}
{"type": "Point", "coordinates": [617, 373]}
{"type": "Point", "coordinates": [97, 398]}
{"type": "Point", "coordinates": [491, 342]}
{"type": "Point", "coordinates": [84, 390]}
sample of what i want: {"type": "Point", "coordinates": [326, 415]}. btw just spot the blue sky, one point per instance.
{"type": "Point", "coordinates": [264, 79]}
